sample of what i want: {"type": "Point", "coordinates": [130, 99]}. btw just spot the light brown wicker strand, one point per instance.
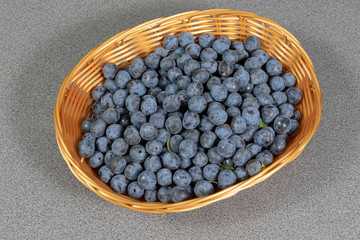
{"type": "Point", "coordinates": [74, 99]}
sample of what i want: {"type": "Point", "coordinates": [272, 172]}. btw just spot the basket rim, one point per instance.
{"type": "Point", "coordinates": [159, 207]}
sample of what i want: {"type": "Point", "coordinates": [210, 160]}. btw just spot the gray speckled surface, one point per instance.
{"type": "Point", "coordinates": [317, 196]}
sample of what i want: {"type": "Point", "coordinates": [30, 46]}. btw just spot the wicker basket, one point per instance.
{"type": "Point", "coordinates": [74, 100]}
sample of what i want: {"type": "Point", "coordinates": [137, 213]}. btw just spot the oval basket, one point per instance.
{"type": "Point", "coordinates": [74, 100]}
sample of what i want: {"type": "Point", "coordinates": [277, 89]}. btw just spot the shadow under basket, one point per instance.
{"type": "Point", "coordinates": [74, 101]}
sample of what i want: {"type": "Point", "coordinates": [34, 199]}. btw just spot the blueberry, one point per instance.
{"type": "Point", "coordinates": [215, 106]}
{"type": "Point", "coordinates": [164, 177]}
{"type": "Point", "coordinates": [190, 67]}
{"type": "Point", "coordinates": [264, 57]}
{"type": "Point", "coordinates": [136, 87]}
{"type": "Point", "coordinates": [265, 157]}
{"type": "Point", "coordinates": [226, 68]}
{"type": "Point", "coordinates": [110, 116]}
{"type": "Point", "coordinates": [233, 112]}
{"type": "Point", "coordinates": [214, 156]}
{"type": "Point", "coordinates": [237, 45]}
{"type": "Point", "coordinates": [192, 134]}
{"type": "Point", "coordinates": [231, 56]}
{"type": "Point", "coordinates": [238, 124]}
{"type": "Point", "coordinates": [252, 43]}
{"type": "Point", "coordinates": [226, 148]}
{"type": "Point", "coordinates": [170, 42]}
{"type": "Point", "coordinates": [98, 92]}
{"type": "Point", "coordinates": [166, 63]}
{"type": "Point", "coordinates": [241, 173]}
{"type": "Point", "coordinates": [243, 76]}
{"type": "Point", "coordinates": [221, 44]}
{"type": "Point", "coordinates": [105, 174]}
{"type": "Point", "coordinates": [218, 116]}
{"type": "Point", "coordinates": [232, 84]}
{"type": "Point", "coordinates": [161, 97]}
{"type": "Point", "coordinates": [249, 132]}
{"type": "Point", "coordinates": [197, 104]}
{"type": "Point", "coordinates": [195, 89]}
{"type": "Point", "coordinates": [171, 103]}
{"type": "Point", "coordinates": [154, 147]}
{"type": "Point", "coordinates": [182, 60]}
{"type": "Point", "coordinates": [196, 174]}
{"type": "Point", "coordinates": [172, 88]}
{"type": "Point", "coordinates": [294, 95]}
{"type": "Point", "coordinates": [294, 128]}
{"type": "Point", "coordinates": [233, 100]}
{"type": "Point", "coordinates": [203, 188]}
{"type": "Point", "coordinates": [96, 160]}
{"type": "Point", "coordinates": [205, 125]}
{"type": "Point", "coordinates": [258, 76]}
{"type": "Point", "coordinates": [97, 128]}
{"type": "Point", "coordinates": [206, 40]}
{"type": "Point", "coordinates": [103, 144]}
{"type": "Point", "coordinates": [193, 50]}
{"type": "Point", "coordinates": [110, 85]}
{"type": "Point", "coordinates": [252, 64]}
{"type": "Point", "coordinates": [138, 153]}
{"type": "Point", "coordinates": [148, 131]}
{"type": "Point", "coordinates": [117, 164]}
{"type": "Point", "coordinates": [175, 143]}
{"type": "Point", "coordinates": [185, 163]}
{"type": "Point", "coordinates": [226, 178]}
{"type": "Point", "coordinates": [134, 190]}
{"type": "Point", "coordinates": [158, 120]}
{"type": "Point", "coordinates": [138, 118]}
{"type": "Point", "coordinates": [185, 38]}
{"type": "Point", "coordinates": [163, 81]}
{"type": "Point", "coordinates": [174, 73]}
{"type": "Point", "coordinates": [119, 147]}
{"type": "Point", "coordinates": [208, 54]}
{"type": "Point", "coordinates": [162, 52]}
{"type": "Point", "coordinates": [173, 124]}
{"type": "Point", "coordinates": [107, 101]}
{"type": "Point", "coordinates": [261, 89]}
{"type": "Point", "coordinates": [152, 60]}
{"type": "Point", "coordinates": [152, 163]}
{"type": "Point", "coordinates": [287, 109]}
{"type": "Point", "coordinates": [183, 82]}
{"type": "Point", "coordinates": [223, 131]}
{"type": "Point", "coordinates": [254, 149]}
{"type": "Point", "coordinates": [181, 178]}
{"type": "Point", "coordinates": [86, 124]}
{"type": "Point", "coordinates": [132, 103]}
{"type": "Point", "coordinates": [200, 159]}
{"type": "Point", "coordinates": [122, 79]}
{"type": "Point", "coordinates": [177, 52]}
{"type": "Point", "coordinates": [219, 92]}
{"type": "Point", "coordinates": [263, 137]}
{"type": "Point", "coordinates": [190, 120]}
{"type": "Point", "coordinates": [119, 97]}
{"type": "Point", "coordinates": [243, 55]}
{"type": "Point", "coordinates": [252, 116]}
{"type": "Point", "coordinates": [211, 172]}
{"type": "Point", "coordinates": [227, 162]}
{"type": "Point", "coordinates": [110, 70]}
{"type": "Point", "coordinates": [297, 115]}
{"type": "Point", "coordinates": [150, 196]}
{"type": "Point", "coordinates": [290, 79]}
{"type": "Point", "coordinates": [108, 157]}
{"type": "Point", "coordinates": [137, 67]}
{"type": "Point", "coordinates": [279, 98]}
{"type": "Point", "coordinates": [149, 105]}
{"type": "Point", "coordinates": [277, 83]}
{"type": "Point", "coordinates": [279, 144]}
{"type": "Point", "coordinates": [265, 99]}
{"type": "Point", "coordinates": [171, 160]}
{"type": "Point", "coordinates": [237, 139]}
{"type": "Point", "coordinates": [132, 135]}
{"type": "Point", "coordinates": [187, 148]}
{"type": "Point", "coordinates": [132, 171]}
{"type": "Point", "coordinates": [253, 167]}
{"type": "Point", "coordinates": [210, 65]}
{"type": "Point", "coordinates": [207, 96]}
{"type": "Point", "coordinates": [147, 180]}
{"type": "Point", "coordinates": [164, 194]}
{"type": "Point", "coordinates": [247, 89]}
{"type": "Point", "coordinates": [269, 113]}
{"type": "Point", "coordinates": [200, 75]}
{"type": "Point", "coordinates": [179, 194]}
{"type": "Point", "coordinates": [282, 124]}
{"type": "Point", "coordinates": [273, 67]}
{"type": "Point", "coordinates": [241, 156]}
{"type": "Point", "coordinates": [124, 121]}
{"type": "Point", "coordinates": [207, 139]}
{"type": "Point", "coordinates": [119, 183]}
{"type": "Point", "coordinates": [150, 78]}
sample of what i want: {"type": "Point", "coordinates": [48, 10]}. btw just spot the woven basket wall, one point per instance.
{"type": "Point", "coordinates": [74, 100]}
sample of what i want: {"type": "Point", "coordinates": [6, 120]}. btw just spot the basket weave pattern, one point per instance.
{"type": "Point", "coordinates": [74, 99]}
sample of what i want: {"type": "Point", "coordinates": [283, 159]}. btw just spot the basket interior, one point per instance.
{"type": "Point", "coordinates": [75, 96]}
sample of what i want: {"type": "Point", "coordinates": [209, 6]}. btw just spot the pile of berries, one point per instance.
{"type": "Point", "coordinates": [193, 117]}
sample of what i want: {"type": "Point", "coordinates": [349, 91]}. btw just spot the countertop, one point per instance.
{"type": "Point", "coordinates": [317, 196]}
